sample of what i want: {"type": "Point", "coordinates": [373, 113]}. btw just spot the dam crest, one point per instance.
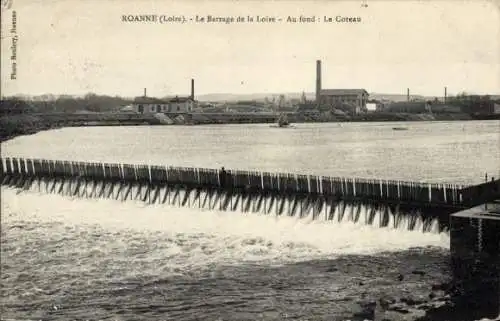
{"type": "Point", "coordinates": [380, 203]}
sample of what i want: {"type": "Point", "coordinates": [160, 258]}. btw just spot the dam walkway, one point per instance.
{"type": "Point", "coordinates": [385, 202]}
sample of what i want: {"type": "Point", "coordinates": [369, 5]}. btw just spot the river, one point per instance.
{"type": "Point", "coordinates": [83, 259]}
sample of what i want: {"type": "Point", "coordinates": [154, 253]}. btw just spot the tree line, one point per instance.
{"type": "Point", "coordinates": [67, 104]}
{"type": "Point", "coordinates": [473, 104]}
{"type": "Point", "coordinates": [470, 104]}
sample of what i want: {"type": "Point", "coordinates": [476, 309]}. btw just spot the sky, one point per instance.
{"type": "Point", "coordinates": [76, 47]}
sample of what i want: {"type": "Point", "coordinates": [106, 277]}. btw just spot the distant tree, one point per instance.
{"type": "Point", "coordinates": [63, 103]}
{"type": "Point", "coordinates": [14, 105]}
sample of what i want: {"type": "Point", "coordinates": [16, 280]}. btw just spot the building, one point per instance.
{"type": "Point", "coordinates": [354, 99]}
{"type": "Point", "coordinates": [147, 105]}
{"type": "Point", "coordinates": [370, 107]}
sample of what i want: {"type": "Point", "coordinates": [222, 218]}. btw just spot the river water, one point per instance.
{"type": "Point", "coordinates": [83, 259]}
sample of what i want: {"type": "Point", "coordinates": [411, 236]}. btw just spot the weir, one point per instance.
{"type": "Point", "coordinates": [474, 228]}
{"type": "Point", "coordinates": [383, 203]}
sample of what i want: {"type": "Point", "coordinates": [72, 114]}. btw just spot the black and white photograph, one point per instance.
{"type": "Point", "coordinates": [250, 160]}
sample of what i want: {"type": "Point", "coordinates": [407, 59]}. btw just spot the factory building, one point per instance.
{"type": "Point", "coordinates": [354, 98]}
{"type": "Point", "coordinates": [350, 100]}
{"type": "Point", "coordinates": [146, 105]}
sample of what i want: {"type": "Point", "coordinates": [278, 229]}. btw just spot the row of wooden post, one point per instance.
{"type": "Point", "coordinates": [250, 180]}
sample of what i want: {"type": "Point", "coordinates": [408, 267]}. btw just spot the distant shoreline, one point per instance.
{"type": "Point", "coordinates": [12, 126]}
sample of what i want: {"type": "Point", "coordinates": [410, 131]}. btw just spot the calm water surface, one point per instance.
{"type": "Point", "coordinates": [82, 259]}
{"type": "Point", "coordinates": [454, 152]}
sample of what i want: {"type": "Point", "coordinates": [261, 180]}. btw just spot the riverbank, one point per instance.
{"type": "Point", "coordinates": [15, 125]}
{"type": "Point", "coordinates": [27, 124]}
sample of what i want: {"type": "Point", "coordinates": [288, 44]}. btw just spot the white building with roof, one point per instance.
{"type": "Point", "coordinates": [150, 105]}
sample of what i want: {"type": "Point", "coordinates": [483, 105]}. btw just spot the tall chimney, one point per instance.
{"type": "Point", "coordinates": [445, 94]}
{"type": "Point", "coordinates": [318, 81]}
{"type": "Point", "coordinates": [192, 89]}
{"type": "Point", "coordinates": [145, 92]}
{"type": "Point", "coordinates": [408, 94]}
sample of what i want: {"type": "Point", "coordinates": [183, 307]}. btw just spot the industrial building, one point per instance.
{"type": "Point", "coordinates": [350, 100]}
{"type": "Point", "coordinates": [149, 105]}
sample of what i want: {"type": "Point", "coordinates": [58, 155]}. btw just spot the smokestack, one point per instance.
{"type": "Point", "coordinates": [318, 80]}
{"type": "Point", "coordinates": [445, 94]}
{"type": "Point", "coordinates": [192, 89]}
{"type": "Point", "coordinates": [145, 92]}
{"type": "Point", "coordinates": [408, 94]}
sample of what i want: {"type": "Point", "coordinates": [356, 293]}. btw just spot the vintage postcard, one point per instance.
{"type": "Point", "coordinates": [250, 160]}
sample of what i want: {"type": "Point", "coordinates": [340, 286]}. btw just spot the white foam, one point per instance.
{"type": "Point", "coordinates": [486, 319]}
{"type": "Point", "coordinates": [229, 236]}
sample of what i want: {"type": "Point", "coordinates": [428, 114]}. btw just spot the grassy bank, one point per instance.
{"type": "Point", "coordinates": [13, 125]}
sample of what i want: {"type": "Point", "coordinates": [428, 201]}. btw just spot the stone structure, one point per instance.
{"type": "Point", "coordinates": [475, 254]}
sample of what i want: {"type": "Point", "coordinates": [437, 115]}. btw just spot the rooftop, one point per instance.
{"type": "Point", "coordinates": [490, 210]}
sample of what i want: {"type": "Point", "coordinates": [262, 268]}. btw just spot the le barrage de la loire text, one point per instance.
{"type": "Point", "coordinates": [214, 19]}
